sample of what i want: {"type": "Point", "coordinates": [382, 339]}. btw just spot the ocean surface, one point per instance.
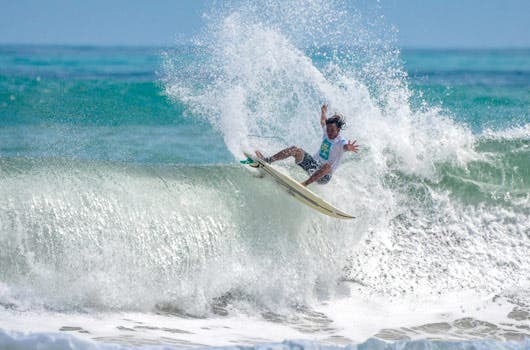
{"type": "Point", "coordinates": [126, 220]}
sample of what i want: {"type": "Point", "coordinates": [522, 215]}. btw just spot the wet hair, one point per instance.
{"type": "Point", "coordinates": [338, 120]}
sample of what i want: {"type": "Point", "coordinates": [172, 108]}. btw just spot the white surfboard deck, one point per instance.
{"type": "Point", "coordinates": [301, 193]}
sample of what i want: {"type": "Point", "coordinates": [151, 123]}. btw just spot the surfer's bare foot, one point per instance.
{"type": "Point", "coordinates": [262, 157]}
{"type": "Point", "coordinates": [256, 164]}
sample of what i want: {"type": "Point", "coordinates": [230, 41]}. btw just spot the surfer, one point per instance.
{"type": "Point", "coordinates": [323, 163]}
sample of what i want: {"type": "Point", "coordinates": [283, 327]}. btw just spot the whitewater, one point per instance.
{"type": "Point", "coordinates": [126, 220]}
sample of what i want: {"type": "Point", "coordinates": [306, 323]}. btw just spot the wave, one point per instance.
{"type": "Point", "coordinates": [192, 239]}
{"type": "Point", "coordinates": [77, 235]}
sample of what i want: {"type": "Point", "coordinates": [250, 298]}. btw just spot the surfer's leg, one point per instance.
{"type": "Point", "coordinates": [292, 151]}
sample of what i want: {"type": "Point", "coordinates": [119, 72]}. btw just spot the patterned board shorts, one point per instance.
{"type": "Point", "coordinates": [310, 165]}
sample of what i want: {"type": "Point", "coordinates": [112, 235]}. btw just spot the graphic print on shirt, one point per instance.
{"type": "Point", "coordinates": [325, 149]}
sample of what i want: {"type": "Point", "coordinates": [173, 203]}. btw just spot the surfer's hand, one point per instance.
{"type": "Point", "coordinates": [323, 115]}
{"type": "Point", "coordinates": [351, 146]}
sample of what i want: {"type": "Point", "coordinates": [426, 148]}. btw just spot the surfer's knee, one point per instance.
{"type": "Point", "coordinates": [298, 153]}
{"type": "Point", "coordinates": [291, 151]}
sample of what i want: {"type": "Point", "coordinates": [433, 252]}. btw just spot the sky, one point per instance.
{"type": "Point", "coordinates": [419, 23]}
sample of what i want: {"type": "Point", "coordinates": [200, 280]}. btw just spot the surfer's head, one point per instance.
{"type": "Point", "coordinates": [334, 125]}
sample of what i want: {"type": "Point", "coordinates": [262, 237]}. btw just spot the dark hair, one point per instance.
{"type": "Point", "coordinates": [338, 120]}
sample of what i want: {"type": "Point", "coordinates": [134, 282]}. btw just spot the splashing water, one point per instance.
{"type": "Point", "coordinates": [270, 67]}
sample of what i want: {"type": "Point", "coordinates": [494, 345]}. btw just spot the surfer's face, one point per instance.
{"type": "Point", "coordinates": [332, 130]}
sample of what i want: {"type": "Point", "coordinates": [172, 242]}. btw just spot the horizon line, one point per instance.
{"type": "Point", "coordinates": [162, 46]}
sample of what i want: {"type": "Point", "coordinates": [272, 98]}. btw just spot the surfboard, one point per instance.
{"type": "Point", "coordinates": [295, 189]}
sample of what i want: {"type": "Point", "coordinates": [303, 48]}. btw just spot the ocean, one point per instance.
{"type": "Point", "coordinates": [126, 220]}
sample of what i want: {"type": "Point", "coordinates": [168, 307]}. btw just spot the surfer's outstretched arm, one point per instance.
{"type": "Point", "coordinates": [351, 146]}
{"type": "Point", "coordinates": [323, 114]}
{"type": "Point", "coordinates": [317, 175]}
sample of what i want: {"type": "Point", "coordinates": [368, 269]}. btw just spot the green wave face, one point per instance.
{"type": "Point", "coordinates": [500, 176]}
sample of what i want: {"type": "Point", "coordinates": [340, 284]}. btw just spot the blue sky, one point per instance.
{"type": "Point", "coordinates": [420, 23]}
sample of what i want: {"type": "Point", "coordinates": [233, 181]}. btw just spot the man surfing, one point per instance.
{"type": "Point", "coordinates": [323, 163]}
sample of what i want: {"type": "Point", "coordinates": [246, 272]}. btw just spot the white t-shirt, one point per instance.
{"type": "Point", "coordinates": [330, 151]}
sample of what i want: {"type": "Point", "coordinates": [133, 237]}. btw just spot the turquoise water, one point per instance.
{"type": "Point", "coordinates": [121, 193]}
{"type": "Point", "coordinates": [486, 89]}
{"type": "Point", "coordinates": [93, 103]}
{"type": "Point", "coordinates": [109, 103]}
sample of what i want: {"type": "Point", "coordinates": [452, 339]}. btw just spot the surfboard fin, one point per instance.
{"type": "Point", "coordinates": [250, 162]}
{"type": "Point", "coordinates": [247, 161]}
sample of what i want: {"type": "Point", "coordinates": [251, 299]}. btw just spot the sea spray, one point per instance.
{"type": "Point", "coordinates": [418, 232]}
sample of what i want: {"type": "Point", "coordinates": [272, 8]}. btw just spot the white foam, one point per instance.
{"type": "Point", "coordinates": [515, 133]}
{"type": "Point", "coordinates": [355, 318]}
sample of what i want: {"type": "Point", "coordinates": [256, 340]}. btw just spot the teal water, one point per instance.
{"type": "Point", "coordinates": [486, 89]}
{"type": "Point", "coordinates": [109, 103]}
{"type": "Point", "coordinates": [94, 103]}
